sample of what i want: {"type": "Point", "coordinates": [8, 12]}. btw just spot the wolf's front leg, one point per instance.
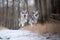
{"type": "Point", "coordinates": [19, 24]}
{"type": "Point", "coordinates": [22, 25]}
{"type": "Point", "coordinates": [30, 22]}
{"type": "Point", "coordinates": [31, 25]}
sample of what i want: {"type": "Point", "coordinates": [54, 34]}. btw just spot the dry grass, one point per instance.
{"type": "Point", "coordinates": [3, 28]}
{"type": "Point", "coordinates": [39, 28]}
{"type": "Point", "coordinates": [43, 29]}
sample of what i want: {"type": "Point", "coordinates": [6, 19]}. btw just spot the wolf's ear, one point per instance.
{"type": "Point", "coordinates": [25, 10]}
{"type": "Point", "coordinates": [33, 11]}
{"type": "Point", "coordinates": [36, 11]}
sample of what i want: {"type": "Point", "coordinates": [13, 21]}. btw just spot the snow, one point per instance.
{"type": "Point", "coordinates": [23, 35]}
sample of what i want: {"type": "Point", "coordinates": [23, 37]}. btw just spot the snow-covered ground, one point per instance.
{"type": "Point", "coordinates": [24, 35]}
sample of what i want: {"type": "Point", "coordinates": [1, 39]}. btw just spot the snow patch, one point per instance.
{"type": "Point", "coordinates": [24, 35]}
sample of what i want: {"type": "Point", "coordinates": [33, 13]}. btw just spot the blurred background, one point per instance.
{"type": "Point", "coordinates": [49, 10]}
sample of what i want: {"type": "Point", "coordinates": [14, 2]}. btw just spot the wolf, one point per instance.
{"type": "Point", "coordinates": [23, 18]}
{"type": "Point", "coordinates": [33, 17]}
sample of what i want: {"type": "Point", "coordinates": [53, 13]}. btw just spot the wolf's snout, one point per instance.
{"type": "Point", "coordinates": [36, 15]}
{"type": "Point", "coordinates": [24, 15]}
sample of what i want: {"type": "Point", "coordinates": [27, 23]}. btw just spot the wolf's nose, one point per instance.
{"type": "Point", "coordinates": [24, 15]}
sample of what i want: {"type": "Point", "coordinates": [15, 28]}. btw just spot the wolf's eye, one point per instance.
{"type": "Point", "coordinates": [36, 14]}
{"type": "Point", "coordinates": [22, 12]}
{"type": "Point", "coordinates": [33, 13]}
{"type": "Point", "coordinates": [0, 38]}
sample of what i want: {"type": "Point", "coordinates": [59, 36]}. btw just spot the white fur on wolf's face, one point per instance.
{"type": "Point", "coordinates": [24, 14]}
{"type": "Point", "coordinates": [23, 18]}
{"type": "Point", "coordinates": [36, 15]}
